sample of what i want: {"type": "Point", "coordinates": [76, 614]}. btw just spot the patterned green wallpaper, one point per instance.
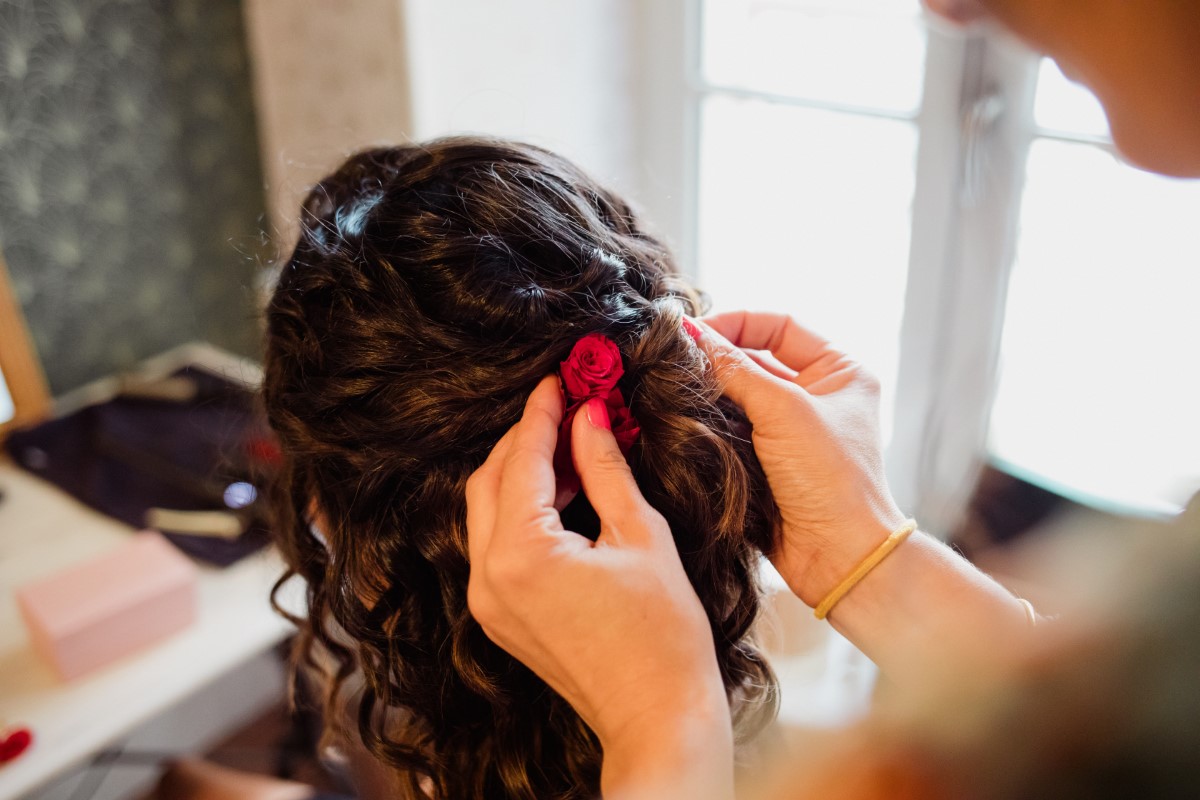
{"type": "Point", "coordinates": [130, 187]}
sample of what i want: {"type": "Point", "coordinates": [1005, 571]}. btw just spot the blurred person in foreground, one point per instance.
{"type": "Point", "coordinates": [990, 702]}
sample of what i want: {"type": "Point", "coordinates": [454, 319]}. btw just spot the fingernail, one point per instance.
{"type": "Point", "coordinates": [597, 414]}
{"type": "Point", "coordinates": [691, 329]}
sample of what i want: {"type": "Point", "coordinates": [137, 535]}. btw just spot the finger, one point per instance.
{"type": "Point", "coordinates": [482, 493]}
{"type": "Point", "coordinates": [745, 382]}
{"type": "Point", "coordinates": [526, 491]}
{"type": "Point", "coordinates": [607, 480]}
{"type": "Point", "coordinates": [825, 369]}
{"type": "Point", "coordinates": [766, 360]}
{"type": "Point", "coordinates": [788, 340]}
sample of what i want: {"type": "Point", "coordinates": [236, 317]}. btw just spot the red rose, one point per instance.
{"type": "Point", "coordinates": [592, 369]}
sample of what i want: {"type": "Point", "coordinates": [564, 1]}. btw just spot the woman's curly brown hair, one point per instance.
{"type": "Point", "coordinates": [432, 287]}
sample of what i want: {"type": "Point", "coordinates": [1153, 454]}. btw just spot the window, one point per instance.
{"type": "Point", "coordinates": [949, 210]}
{"type": "Point", "coordinates": [1098, 389]}
{"type": "Point", "coordinates": [808, 121]}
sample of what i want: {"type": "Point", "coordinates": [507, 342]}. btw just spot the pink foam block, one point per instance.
{"type": "Point", "coordinates": [92, 614]}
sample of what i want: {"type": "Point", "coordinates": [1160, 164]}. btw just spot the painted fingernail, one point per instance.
{"type": "Point", "coordinates": [597, 413]}
{"type": "Point", "coordinates": [691, 329]}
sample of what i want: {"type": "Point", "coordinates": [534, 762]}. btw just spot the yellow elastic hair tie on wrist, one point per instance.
{"type": "Point", "coordinates": [869, 563]}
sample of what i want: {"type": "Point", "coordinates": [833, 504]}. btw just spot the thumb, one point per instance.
{"type": "Point", "coordinates": [607, 480]}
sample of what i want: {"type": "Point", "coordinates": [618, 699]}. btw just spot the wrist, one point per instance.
{"type": "Point", "coordinates": [925, 606]}
{"type": "Point", "coordinates": [814, 571]}
{"type": "Point", "coordinates": [673, 750]}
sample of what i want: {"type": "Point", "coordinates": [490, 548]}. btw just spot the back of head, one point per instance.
{"type": "Point", "coordinates": [432, 287]}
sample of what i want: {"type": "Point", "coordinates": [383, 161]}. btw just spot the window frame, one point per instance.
{"type": "Point", "coordinates": [974, 128]}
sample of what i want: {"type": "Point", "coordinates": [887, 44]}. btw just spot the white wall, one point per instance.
{"type": "Point", "coordinates": [557, 73]}
{"type": "Point", "coordinates": [598, 81]}
{"type": "Point", "coordinates": [329, 79]}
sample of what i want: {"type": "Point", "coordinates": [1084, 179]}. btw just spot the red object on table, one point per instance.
{"type": "Point", "coordinates": [13, 743]}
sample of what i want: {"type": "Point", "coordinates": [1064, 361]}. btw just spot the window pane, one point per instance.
{"type": "Point", "coordinates": [856, 52]}
{"type": "Point", "coordinates": [1099, 391]}
{"type": "Point", "coordinates": [808, 212]}
{"type": "Point", "coordinates": [1065, 106]}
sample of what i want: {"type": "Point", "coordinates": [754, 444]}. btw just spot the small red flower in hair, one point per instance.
{"type": "Point", "coordinates": [592, 370]}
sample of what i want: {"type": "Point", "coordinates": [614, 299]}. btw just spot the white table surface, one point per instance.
{"type": "Point", "coordinates": [43, 530]}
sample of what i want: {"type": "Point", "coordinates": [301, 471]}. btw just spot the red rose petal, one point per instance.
{"type": "Point", "coordinates": [591, 370]}
{"type": "Point", "coordinates": [625, 428]}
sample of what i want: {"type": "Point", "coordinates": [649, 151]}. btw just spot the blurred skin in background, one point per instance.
{"type": "Point", "coordinates": [1140, 57]}
{"type": "Point", "coordinates": [1101, 703]}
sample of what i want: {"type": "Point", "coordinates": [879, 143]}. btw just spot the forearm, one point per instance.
{"type": "Point", "coordinates": [921, 605]}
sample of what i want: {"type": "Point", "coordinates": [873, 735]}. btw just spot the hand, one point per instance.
{"type": "Point", "coordinates": [613, 626]}
{"type": "Point", "coordinates": [815, 414]}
